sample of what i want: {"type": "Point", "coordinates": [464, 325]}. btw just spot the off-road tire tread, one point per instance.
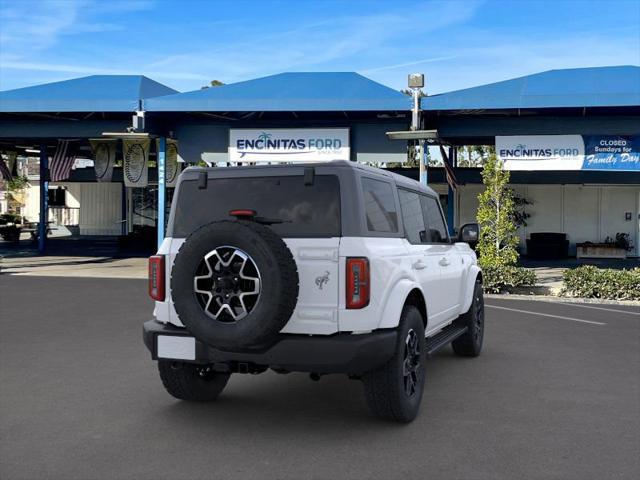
{"type": "Point", "coordinates": [381, 385]}
{"type": "Point", "coordinates": [464, 344]}
{"type": "Point", "coordinates": [282, 256]}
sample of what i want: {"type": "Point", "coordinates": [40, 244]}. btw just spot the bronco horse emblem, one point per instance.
{"type": "Point", "coordinates": [322, 280]}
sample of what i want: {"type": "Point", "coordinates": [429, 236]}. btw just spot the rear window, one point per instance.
{"type": "Point", "coordinates": [305, 210]}
{"type": "Point", "coordinates": [379, 206]}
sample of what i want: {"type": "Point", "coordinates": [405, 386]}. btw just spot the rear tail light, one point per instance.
{"type": "Point", "coordinates": [358, 282]}
{"type": "Point", "coordinates": [156, 277]}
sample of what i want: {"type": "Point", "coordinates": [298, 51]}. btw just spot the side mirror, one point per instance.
{"type": "Point", "coordinates": [469, 233]}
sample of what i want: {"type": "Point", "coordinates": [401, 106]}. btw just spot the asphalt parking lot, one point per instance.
{"type": "Point", "coordinates": [555, 394]}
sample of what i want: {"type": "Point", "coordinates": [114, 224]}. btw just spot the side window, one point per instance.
{"type": "Point", "coordinates": [380, 206]}
{"type": "Point", "coordinates": [412, 217]}
{"type": "Point", "coordinates": [436, 228]}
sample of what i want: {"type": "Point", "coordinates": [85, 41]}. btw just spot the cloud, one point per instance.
{"type": "Point", "coordinates": [29, 27]}
{"type": "Point", "coordinates": [346, 39]}
{"type": "Point", "coordinates": [89, 70]}
{"type": "Point", "coordinates": [409, 64]}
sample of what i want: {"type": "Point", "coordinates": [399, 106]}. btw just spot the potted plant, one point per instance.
{"type": "Point", "coordinates": [617, 247]}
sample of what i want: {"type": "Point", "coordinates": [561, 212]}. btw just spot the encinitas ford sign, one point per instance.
{"type": "Point", "coordinates": [569, 152]}
{"type": "Point", "coordinates": [541, 152]}
{"type": "Point", "coordinates": [289, 145]}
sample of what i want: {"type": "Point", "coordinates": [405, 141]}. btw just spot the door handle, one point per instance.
{"type": "Point", "coordinates": [444, 262]}
{"type": "Point", "coordinates": [419, 265]}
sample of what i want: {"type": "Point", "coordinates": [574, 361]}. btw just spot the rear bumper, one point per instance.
{"type": "Point", "coordinates": [339, 353]}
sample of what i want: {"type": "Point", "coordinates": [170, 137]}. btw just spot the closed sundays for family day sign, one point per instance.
{"type": "Point", "coordinates": [289, 145]}
{"type": "Point", "coordinates": [569, 152]}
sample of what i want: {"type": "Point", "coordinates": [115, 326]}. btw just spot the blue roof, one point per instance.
{"type": "Point", "coordinates": [96, 93]}
{"type": "Point", "coordinates": [577, 87]}
{"type": "Point", "coordinates": [299, 92]}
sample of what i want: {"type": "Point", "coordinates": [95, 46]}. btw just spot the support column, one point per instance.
{"type": "Point", "coordinates": [424, 159]}
{"type": "Point", "coordinates": [453, 158]}
{"type": "Point", "coordinates": [162, 187]}
{"type": "Point", "coordinates": [44, 199]}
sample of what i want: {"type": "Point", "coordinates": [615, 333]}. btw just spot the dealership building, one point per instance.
{"type": "Point", "coordinates": [571, 139]}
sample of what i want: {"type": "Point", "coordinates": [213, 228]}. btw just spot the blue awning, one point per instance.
{"type": "Point", "coordinates": [577, 87]}
{"type": "Point", "coordinates": [96, 93]}
{"type": "Point", "coordinates": [288, 92]}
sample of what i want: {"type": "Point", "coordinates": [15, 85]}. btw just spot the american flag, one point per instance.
{"type": "Point", "coordinates": [4, 170]}
{"type": "Point", "coordinates": [62, 161]}
{"type": "Point", "coordinates": [448, 170]}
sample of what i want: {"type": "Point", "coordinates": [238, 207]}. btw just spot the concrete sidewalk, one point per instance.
{"type": "Point", "coordinates": [67, 266]}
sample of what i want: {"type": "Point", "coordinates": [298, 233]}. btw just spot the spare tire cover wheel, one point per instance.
{"type": "Point", "coordinates": [234, 284]}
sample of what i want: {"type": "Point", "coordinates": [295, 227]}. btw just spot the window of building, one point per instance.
{"type": "Point", "coordinates": [412, 217]}
{"type": "Point", "coordinates": [57, 197]}
{"type": "Point", "coordinates": [380, 206]}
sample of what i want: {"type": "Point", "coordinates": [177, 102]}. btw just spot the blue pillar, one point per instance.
{"type": "Point", "coordinates": [453, 160]}
{"type": "Point", "coordinates": [162, 189]}
{"type": "Point", "coordinates": [44, 199]}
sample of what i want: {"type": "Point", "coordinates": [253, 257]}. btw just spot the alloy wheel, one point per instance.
{"type": "Point", "coordinates": [227, 284]}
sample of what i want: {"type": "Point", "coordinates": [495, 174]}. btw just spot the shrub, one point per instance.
{"type": "Point", "coordinates": [496, 278]}
{"type": "Point", "coordinates": [592, 282]}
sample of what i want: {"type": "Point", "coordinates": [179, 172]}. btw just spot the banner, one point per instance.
{"type": "Point", "coordinates": [569, 152]}
{"type": "Point", "coordinates": [104, 157]}
{"type": "Point", "coordinates": [135, 154]}
{"type": "Point", "coordinates": [289, 145]}
{"type": "Point", "coordinates": [610, 152]}
{"type": "Point", "coordinates": [541, 152]}
{"type": "Point", "coordinates": [172, 163]}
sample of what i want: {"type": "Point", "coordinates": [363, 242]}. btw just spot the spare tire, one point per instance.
{"type": "Point", "coordinates": [234, 284]}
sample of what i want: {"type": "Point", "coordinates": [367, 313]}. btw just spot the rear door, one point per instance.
{"type": "Point", "coordinates": [423, 258]}
{"type": "Point", "coordinates": [449, 262]}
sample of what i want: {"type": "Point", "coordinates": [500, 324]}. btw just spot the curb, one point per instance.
{"type": "Point", "coordinates": [555, 299]}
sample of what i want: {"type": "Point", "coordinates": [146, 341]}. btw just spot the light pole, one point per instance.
{"type": "Point", "coordinates": [416, 83]}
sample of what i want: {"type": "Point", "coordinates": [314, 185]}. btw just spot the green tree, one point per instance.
{"type": "Point", "coordinates": [496, 211]}
{"type": "Point", "coordinates": [213, 83]}
{"type": "Point", "coordinates": [474, 155]}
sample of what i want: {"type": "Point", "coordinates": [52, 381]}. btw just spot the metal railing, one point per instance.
{"type": "Point", "coordinates": [67, 216]}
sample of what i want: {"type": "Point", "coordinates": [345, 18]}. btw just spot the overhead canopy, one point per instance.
{"type": "Point", "coordinates": [96, 93]}
{"type": "Point", "coordinates": [288, 92]}
{"type": "Point", "coordinates": [578, 87]}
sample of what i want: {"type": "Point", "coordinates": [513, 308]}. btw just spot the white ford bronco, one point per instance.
{"type": "Point", "coordinates": [320, 268]}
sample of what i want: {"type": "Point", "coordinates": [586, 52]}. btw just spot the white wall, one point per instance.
{"type": "Point", "coordinates": [583, 212]}
{"type": "Point", "coordinates": [100, 208]}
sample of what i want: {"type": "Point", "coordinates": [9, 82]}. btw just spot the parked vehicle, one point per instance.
{"type": "Point", "coordinates": [325, 268]}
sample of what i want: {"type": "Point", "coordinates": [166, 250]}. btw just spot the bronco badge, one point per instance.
{"type": "Point", "coordinates": [322, 280]}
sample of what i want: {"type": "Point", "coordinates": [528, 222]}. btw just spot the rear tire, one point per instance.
{"type": "Point", "coordinates": [470, 344]}
{"type": "Point", "coordinates": [394, 392]}
{"type": "Point", "coordinates": [187, 381]}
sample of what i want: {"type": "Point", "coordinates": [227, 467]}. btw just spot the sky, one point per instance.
{"type": "Point", "coordinates": [185, 44]}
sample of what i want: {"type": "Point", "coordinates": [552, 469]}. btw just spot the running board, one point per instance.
{"type": "Point", "coordinates": [445, 336]}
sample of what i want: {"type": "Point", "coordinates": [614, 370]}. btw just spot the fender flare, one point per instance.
{"type": "Point", "coordinates": [395, 302]}
{"type": "Point", "coordinates": [472, 275]}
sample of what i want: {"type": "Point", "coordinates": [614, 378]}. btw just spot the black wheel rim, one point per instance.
{"type": "Point", "coordinates": [411, 363]}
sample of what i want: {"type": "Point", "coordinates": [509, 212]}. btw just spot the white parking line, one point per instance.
{"type": "Point", "coordinates": [597, 308]}
{"type": "Point", "coordinates": [545, 315]}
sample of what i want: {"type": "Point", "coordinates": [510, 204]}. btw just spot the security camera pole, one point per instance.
{"type": "Point", "coordinates": [416, 83]}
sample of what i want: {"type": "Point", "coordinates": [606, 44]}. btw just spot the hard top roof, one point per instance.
{"type": "Point", "coordinates": [288, 169]}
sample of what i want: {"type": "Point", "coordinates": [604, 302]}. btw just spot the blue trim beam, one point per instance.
{"type": "Point", "coordinates": [162, 187]}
